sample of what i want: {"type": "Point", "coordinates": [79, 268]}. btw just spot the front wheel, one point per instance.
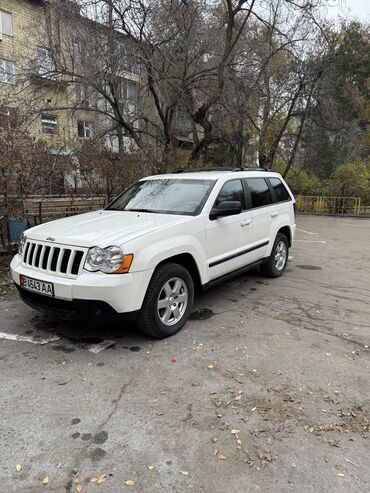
{"type": "Point", "coordinates": [277, 262]}
{"type": "Point", "coordinates": [168, 301]}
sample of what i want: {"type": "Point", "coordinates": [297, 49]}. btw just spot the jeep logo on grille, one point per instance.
{"type": "Point", "coordinates": [50, 238]}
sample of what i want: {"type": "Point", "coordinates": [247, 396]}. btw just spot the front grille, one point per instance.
{"type": "Point", "coordinates": [60, 260]}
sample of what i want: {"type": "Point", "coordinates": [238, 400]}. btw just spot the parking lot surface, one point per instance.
{"type": "Point", "coordinates": [265, 389]}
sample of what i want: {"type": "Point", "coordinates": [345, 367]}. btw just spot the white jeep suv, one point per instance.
{"type": "Point", "coordinates": [144, 255]}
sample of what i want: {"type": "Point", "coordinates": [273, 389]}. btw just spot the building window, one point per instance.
{"type": "Point", "coordinates": [83, 94]}
{"type": "Point", "coordinates": [7, 71]}
{"type": "Point", "coordinates": [4, 111]}
{"type": "Point", "coordinates": [49, 124]}
{"type": "Point", "coordinates": [79, 48]}
{"type": "Point", "coordinates": [128, 91]}
{"type": "Point", "coordinates": [84, 129]}
{"type": "Point", "coordinates": [6, 24]}
{"type": "Point", "coordinates": [45, 61]}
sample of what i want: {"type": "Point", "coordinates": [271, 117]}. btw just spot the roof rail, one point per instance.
{"type": "Point", "coordinates": [221, 168]}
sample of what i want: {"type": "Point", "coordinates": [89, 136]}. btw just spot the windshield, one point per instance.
{"type": "Point", "coordinates": [164, 196]}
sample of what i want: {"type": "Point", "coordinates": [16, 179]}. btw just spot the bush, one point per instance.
{"type": "Point", "coordinates": [301, 181]}
{"type": "Point", "coordinates": [350, 180]}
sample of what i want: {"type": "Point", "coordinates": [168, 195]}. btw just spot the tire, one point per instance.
{"type": "Point", "coordinates": [162, 314]}
{"type": "Point", "coordinates": [277, 262]}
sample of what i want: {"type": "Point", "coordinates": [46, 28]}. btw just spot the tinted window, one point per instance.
{"type": "Point", "coordinates": [281, 193]}
{"type": "Point", "coordinates": [164, 196]}
{"type": "Point", "coordinates": [260, 192]}
{"type": "Point", "coordinates": [232, 190]}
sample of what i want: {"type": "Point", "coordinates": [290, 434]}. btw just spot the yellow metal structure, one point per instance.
{"type": "Point", "coordinates": [312, 204]}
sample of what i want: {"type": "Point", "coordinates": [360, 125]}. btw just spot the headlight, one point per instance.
{"type": "Point", "coordinates": [110, 260]}
{"type": "Point", "coordinates": [22, 241]}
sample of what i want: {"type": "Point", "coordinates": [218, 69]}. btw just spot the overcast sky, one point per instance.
{"type": "Point", "coordinates": [350, 8]}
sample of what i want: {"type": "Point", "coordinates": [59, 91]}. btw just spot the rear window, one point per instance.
{"type": "Point", "coordinates": [260, 192]}
{"type": "Point", "coordinates": [281, 193]}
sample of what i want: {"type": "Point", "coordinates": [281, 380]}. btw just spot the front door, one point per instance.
{"type": "Point", "coordinates": [229, 238]}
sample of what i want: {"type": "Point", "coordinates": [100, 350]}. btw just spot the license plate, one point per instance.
{"type": "Point", "coordinates": [41, 287]}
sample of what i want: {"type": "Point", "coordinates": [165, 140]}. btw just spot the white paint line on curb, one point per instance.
{"type": "Point", "coordinates": [33, 340]}
{"type": "Point", "coordinates": [96, 348]}
{"type": "Point", "coordinates": [307, 232]}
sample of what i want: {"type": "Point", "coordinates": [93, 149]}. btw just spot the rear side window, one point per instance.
{"type": "Point", "coordinates": [232, 190]}
{"type": "Point", "coordinates": [260, 192]}
{"type": "Point", "coordinates": [281, 193]}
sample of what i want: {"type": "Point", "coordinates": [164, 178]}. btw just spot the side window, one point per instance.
{"type": "Point", "coordinates": [260, 192]}
{"type": "Point", "coordinates": [232, 190]}
{"type": "Point", "coordinates": [281, 193]}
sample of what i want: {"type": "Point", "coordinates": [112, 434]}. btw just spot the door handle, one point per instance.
{"type": "Point", "coordinates": [274, 214]}
{"type": "Point", "coordinates": [245, 223]}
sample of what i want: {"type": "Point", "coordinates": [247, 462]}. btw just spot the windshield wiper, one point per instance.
{"type": "Point", "coordinates": [141, 210]}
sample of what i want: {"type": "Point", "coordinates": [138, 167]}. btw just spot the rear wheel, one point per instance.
{"type": "Point", "coordinates": [276, 264]}
{"type": "Point", "coordinates": [168, 301]}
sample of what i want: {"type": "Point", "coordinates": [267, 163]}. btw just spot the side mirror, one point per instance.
{"type": "Point", "coordinates": [226, 208]}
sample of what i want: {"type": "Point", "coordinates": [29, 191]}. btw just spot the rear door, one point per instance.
{"type": "Point", "coordinates": [229, 238]}
{"type": "Point", "coordinates": [283, 204]}
{"type": "Point", "coordinates": [264, 214]}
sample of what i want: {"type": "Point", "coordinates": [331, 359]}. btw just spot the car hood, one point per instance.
{"type": "Point", "coordinates": [103, 228]}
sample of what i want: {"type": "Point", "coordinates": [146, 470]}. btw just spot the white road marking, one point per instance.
{"type": "Point", "coordinates": [96, 348]}
{"type": "Point", "coordinates": [33, 340]}
{"type": "Point", "coordinates": [313, 241]}
{"type": "Point", "coordinates": [307, 232]}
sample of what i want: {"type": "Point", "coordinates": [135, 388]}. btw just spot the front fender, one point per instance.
{"type": "Point", "coordinates": [150, 255]}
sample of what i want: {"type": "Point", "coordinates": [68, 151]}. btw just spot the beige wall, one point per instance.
{"type": "Point", "coordinates": [31, 96]}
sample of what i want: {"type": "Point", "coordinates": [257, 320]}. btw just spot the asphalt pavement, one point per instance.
{"type": "Point", "coordinates": [265, 389]}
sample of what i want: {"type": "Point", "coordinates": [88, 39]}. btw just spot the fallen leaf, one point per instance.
{"type": "Point", "coordinates": [184, 473]}
{"type": "Point", "coordinates": [94, 480]}
{"type": "Point", "coordinates": [210, 367]}
{"type": "Point", "coordinates": [234, 432]}
{"type": "Point", "coordinates": [214, 439]}
{"type": "Point", "coordinates": [45, 480]}
{"type": "Point", "coordinates": [129, 482]}
{"type": "Point", "coordinates": [238, 397]}
{"type": "Point", "coordinates": [101, 479]}
{"type": "Point", "coordinates": [18, 467]}
{"type": "Point", "coordinates": [79, 487]}
{"type": "Point", "coordinates": [221, 457]}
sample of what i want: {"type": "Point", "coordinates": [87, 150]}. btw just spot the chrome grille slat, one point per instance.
{"type": "Point", "coordinates": [29, 253]}
{"type": "Point", "coordinates": [50, 258]}
{"type": "Point", "coordinates": [68, 261]}
{"type": "Point", "coordinates": [42, 256]}
{"type": "Point", "coordinates": [60, 258]}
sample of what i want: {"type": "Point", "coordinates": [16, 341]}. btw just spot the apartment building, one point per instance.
{"type": "Point", "coordinates": [48, 76]}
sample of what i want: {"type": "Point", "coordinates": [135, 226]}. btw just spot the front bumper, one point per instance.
{"type": "Point", "coordinates": [99, 292]}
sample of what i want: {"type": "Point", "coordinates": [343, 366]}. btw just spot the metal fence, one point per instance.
{"type": "Point", "coordinates": [342, 206]}
{"type": "Point", "coordinates": [39, 209]}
